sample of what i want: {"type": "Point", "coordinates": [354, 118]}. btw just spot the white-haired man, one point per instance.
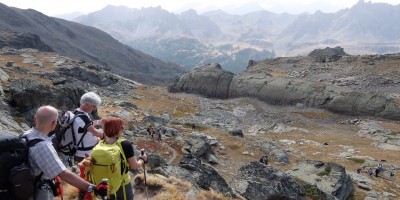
{"type": "Point", "coordinates": [86, 133]}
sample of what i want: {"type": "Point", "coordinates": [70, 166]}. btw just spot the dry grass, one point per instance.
{"type": "Point", "coordinates": [233, 146]}
{"type": "Point", "coordinates": [70, 192]}
{"type": "Point", "coordinates": [159, 101]}
{"type": "Point", "coordinates": [161, 188]}
{"type": "Point", "coordinates": [314, 115]}
{"type": "Point", "coordinates": [210, 195]}
{"type": "Point", "coordinates": [29, 67]}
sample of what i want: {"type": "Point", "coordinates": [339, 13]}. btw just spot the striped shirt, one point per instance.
{"type": "Point", "coordinates": [43, 157]}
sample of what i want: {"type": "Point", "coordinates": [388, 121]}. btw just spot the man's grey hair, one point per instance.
{"type": "Point", "coordinates": [90, 98]}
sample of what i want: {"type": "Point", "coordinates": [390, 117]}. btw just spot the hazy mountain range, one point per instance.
{"type": "Point", "coordinates": [191, 39]}
{"type": "Point", "coordinates": [32, 29]}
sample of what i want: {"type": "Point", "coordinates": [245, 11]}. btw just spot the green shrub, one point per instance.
{"type": "Point", "coordinates": [311, 191]}
{"type": "Point", "coordinates": [326, 171]}
{"type": "Point", "coordinates": [357, 160]}
{"type": "Point", "coordinates": [175, 123]}
{"type": "Point", "coordinates": [198, 127]}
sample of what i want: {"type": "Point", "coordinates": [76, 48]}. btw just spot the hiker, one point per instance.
{"type": "Point", "coordinates": [88, 103]}
{"type": "Point", "coordinates": [43, 159]}
{"type": "Point", "coordinates": [370, 172]}
{"type": "Point", "coordinates": [193, 126]}
{"type": "Point", "coordinates": [113, 130]}
{"type": "Point", "coordinates": [150, 130]}
{"type": "Point", "coordinates": [159, 133]}
{"type": "Point", "coordinates": [264, 160]}
{"type": "Point", "coordinates": [378, 169]}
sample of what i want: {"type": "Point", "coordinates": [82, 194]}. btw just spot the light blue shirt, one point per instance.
{"type": "Point", "coordinates": [43, 157]}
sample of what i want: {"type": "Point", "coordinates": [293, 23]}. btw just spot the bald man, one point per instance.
{"type": "Point", "coordinates": [43, 158]}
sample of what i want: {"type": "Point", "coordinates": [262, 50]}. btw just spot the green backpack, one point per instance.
{"type": "Point", "coordinates": [109, 162]}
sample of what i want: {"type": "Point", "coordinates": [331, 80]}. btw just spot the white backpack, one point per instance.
{"type": "Point", "coordinates": [65, 141]}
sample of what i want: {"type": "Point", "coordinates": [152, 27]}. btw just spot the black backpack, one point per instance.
{"type": "Point", "coordinates": [65, 140]}
{"type": "Point", "coordinates": [16, 181]}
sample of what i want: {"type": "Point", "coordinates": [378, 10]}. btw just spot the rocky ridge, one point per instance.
{"type": "Point", "coordinates": [271, 81]}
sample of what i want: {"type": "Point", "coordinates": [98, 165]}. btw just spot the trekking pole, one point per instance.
{"type": "Point", "coordinates": [145, 181]}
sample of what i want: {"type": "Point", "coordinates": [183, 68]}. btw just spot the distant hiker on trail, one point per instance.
{"type": "Point", "coordinates": [370, 172]}
{"type": "Point", "coordinates": [379, 166]}
{"type": "Point", "coordinates": [159, 133]}
{"type": "Point", "coordinates": [151, 132]}
{"type": "Point", "coordinates": [193, 126]}
{"type": "Point", "coordinates": [44, 161]}
{"type": "Point", "coordinates": [264, 160]}
{"type": "Point", "coordinates": [113, 130]}
{"type": "Point", "coordinates": [378, 169]}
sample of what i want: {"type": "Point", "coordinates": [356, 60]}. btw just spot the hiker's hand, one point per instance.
{"type": "Point", "coordinates": [101, 190]}
{"type": "Point", "coordinates": [101, 122]}
{"type": "Point", "coordinates": [144, 158]}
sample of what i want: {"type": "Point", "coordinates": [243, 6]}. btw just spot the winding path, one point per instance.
{"type": "Point", "coordinates": [173, 155]}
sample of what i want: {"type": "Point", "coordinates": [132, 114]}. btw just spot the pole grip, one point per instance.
{"type": "Point", "coordinates": [142, 152]}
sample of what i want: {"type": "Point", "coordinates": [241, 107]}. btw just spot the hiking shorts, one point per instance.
{"type": "Point", "coordinates": [44, 192]}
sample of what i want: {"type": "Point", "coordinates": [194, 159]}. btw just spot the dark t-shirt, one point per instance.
{"type": "Point", "coordinates": [128, 151]}
{"type": "Point", "coordinates": [127, 148]}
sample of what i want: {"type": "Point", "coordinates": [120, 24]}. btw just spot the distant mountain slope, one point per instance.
{"type": "Point", "coordinates": [216, 36]}
{"type": "Point", "coordinates": [87, 43]}
{"type": "Point", "coordinates": [364, 28]}
{"type": "Point", "coordinates": [188, 39]}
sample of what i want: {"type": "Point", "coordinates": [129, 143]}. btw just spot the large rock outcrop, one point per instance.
{"type": "Point", "coordinates": [328, 54]}
{"type": "Point", "coordinates": [258, 181]}
{"type": "Point", "coordinates": [28, 95]}
{"type": "Point", "coordinates": [199, 174]}
{"type": "Point", "coordinates": [212, 81]}
{"type": "Point", "coordinates": [98, 78]}
{"type": "Point", "coordinates": [22, 40]}
{"type": "Point", "coordinates": [197, 147]}
{"type": "Point", "coordinates": [209, 80]}
{"type": "Point", "coordinates": [330, 178]}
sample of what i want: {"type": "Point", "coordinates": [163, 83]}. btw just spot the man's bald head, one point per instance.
{"type": "Point", "coordinates": [46, 114]}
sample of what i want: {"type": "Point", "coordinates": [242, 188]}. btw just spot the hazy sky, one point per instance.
{"type": "Point", "coordinates": [56, 7]}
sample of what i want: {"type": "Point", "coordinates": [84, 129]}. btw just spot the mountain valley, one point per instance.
{"type": "Point", "coordinates": [289, 135]}
{"type": "Point", "coordinates": [260, 84]}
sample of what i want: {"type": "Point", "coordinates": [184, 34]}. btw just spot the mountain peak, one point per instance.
{"type": "Point", "coordinates": [189, 12]}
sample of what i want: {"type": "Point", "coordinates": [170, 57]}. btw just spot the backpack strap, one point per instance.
{"type": "Point", "coordinates": [29, 144]}
{"type": "Point", "coordinates": [126, 164]}
{"type": "Point", "coordinates": [86, 119]}
{"type": "Point", "coordinates": [33, 142]}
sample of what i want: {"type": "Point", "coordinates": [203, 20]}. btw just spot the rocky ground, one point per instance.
{"type": "Point", "coordinates": [312, 151]}
{"type": "Point", "coordinates": [292, 134]}
{"type": "Point", "coordinates": [366, 73]}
